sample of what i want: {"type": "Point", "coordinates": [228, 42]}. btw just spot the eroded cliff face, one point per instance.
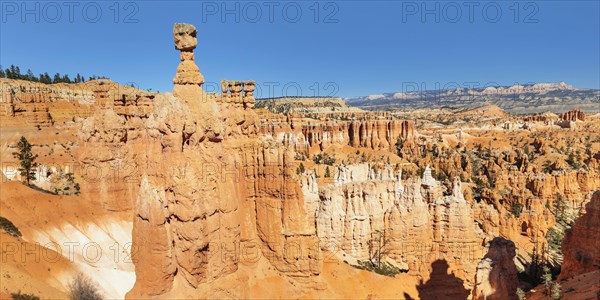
{"type": "Point", "coordinates": [573, 115]}
{"type": "Point", "coordinates": [110, 144]}
{"type": "Point", "coordinates": [210, 187]}
{"type": "Point", "coordinates": [310, 137]}
{"type": "Point", "coordinates": [496, 276]}
{"type": "Point", "coordinates": [581, 244]}
{"type": "Point", "coordinates": [518, 190]}
{"type": "Point", "coordinates": [30, 104]}
{"type": "Point", "coordinates": [351, 211]}
{"type": "Point", "coordinates": [417, 223]}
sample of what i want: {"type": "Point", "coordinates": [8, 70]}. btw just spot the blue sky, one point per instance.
{"type": "Point", "coordinates": [349, 48]}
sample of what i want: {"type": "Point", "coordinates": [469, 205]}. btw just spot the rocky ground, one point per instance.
{"type": "Point", "coordinates": [204, 195]}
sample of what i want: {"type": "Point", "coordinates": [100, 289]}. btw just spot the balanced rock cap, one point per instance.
{"type": "Point", "coordinates": [185, 36]}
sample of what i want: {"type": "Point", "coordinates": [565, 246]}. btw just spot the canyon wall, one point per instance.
{"type": "Point", "coordinates": [416, 221]}
{"type": "Point", "coordinates": [30, 104]}
{"type": "Point", "coordinates": [496, 276]}
{"type": "Point", "coordinates": [581, 244]}
{"type": "Point", "coordinates": [310, 136]}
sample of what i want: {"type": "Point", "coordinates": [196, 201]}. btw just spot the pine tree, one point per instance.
{"type": "Point", "coordinates": [2, 74]}
{"type": "Point", "coordinates": [17, 72]}
{"type": "Point", "coordinates": [66, 79]}
{"type": "Point", "coordinates": [521, 294]}
{"type": "Point", "coordinates": [547, 279]}
{"type": "Point", "coordinates": [47, 78]}
{"type": "Point", "coordinates": [27, 159]}
{"type": "Point", "coordinates": [8, 74]}
{"type": "Point", "coordinates": [559, 207]}
{"type": "Point", "coordinates": [556, 292]}
{"type": "Point", "coordinates": [30, 76]}
{"type": "Point", "coordinates": [57, 78]}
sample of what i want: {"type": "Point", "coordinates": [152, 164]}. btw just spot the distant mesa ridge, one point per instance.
{"type": "Point", "coordinates": [297, 98]}
{"type": "Point", "coordinates": [518, 98]}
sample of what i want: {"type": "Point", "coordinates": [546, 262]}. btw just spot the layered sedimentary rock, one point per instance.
{"type": "Point", "coordinates": [518, 99]}
{"type": "Point", "coordinates": [418, 223]}
{"type": "Point", "coordinates": [571, 185]}
{"type": "Point", "coordinates": [22, 106]}
{"type": "Point", "coordinates": [343, 115]}
{"type": "Point", "coordinates": [496, 276]}
{"type": "Point", "coordinates": [108, 155]}
{"type": "Point", "coordinates": [210, 188]}
{"type": "Point", "coordinates": [316, 106]}
{"type": "Point", "coordinates": [573, 115]}
{"type": "Point", "coordinates": [513, 171]}
{"type": "Point", "coordinates": [15, 91]}
{"type": "Point", "coordinates": [287, 231]}
{"type": "Point", "coordinates": [546, 118]}
{"type": "Point", "coordinates": [313, 136]}
{"type": "Point", "coordinates": [410, 229]}
{"type": "Point", "coordinates": [211, 180]}
{"type": "Point", "coordinates": [352, 210]}
{"type": "Point", "coordinates": [32, 104]}
{"type": "Point", "coordinates": [581, 244]}
{"type": "Point", "coordinates": [455, 231]}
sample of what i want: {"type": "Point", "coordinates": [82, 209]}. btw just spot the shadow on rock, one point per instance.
{"type": "Point", "coordinates": [441, 284]}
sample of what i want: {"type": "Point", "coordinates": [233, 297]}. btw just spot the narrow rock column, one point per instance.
{"type": "Point", "coordinates": [496, 276]}
{"type": "Point", "coordinates": [185, 41]}
{"type": "Point", "coordinates": [205, 116]}
{"type": "Point", "coordinates": [249, 101]}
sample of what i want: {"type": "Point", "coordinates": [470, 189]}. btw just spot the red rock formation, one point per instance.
{"type": "Point", "coordinates": [351, 211]}
{"type": "Point", "coordinates": [581, 244]}
{"type": "Point", "coordinates": [420, 225]}
{"type": "Point", "coordinates": [536, 118]}
{"type": "Point", "coordinates": [32, 104]}
{"type": "Point", "coordinates": [496, 276]}
{"type": "Point", "coordinates": [210, 187]}
{"type": "Point", "coordinates": [546, 118]}
{"type": "Point", "coordinates": [313, 136]}
{"type": "Point", "coordinates": [573, 115]}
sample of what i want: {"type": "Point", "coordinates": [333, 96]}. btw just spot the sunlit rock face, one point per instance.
{"type": "Point", "coordinates": [313, 136]}
{"type": "Point", "coordinates": [210, 184]}
{"type": "Point", "coordinates": [418, 223]}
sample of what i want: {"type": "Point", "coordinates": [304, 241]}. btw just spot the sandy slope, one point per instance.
{"type": "Point", "coordinates": [260, 280]}
{"type": "Point", "coordinates": [86, 238]}
{"type": "Point", "coordinates": [30, 269]}
{"type": "Point", "coordinates": [581, 287]}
